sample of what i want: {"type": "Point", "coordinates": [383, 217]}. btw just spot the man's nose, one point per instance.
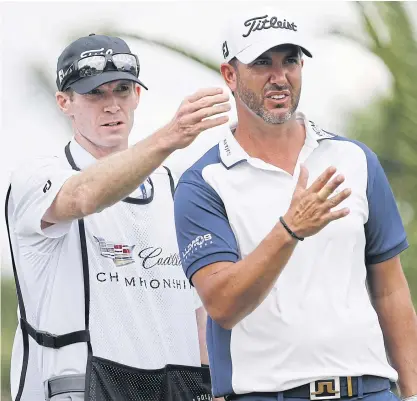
{"type": "Point", "coordinates": [112, 105]}
{"type": "Point", "coordinates": [278, 76]}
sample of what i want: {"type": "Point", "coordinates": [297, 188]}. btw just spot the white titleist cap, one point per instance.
{"type": "Point", "coordinates": [250, 35]}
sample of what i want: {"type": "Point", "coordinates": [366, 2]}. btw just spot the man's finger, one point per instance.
{"type": "Point", "coordinates": [210, 111]}
{"type": "Point", "coordinates": [322, 180]}
{"type": "Point", "coordinates": [204, 92]}
{"type": "Point", "coordinates": [330, 187]}
{"type": "Point", "coordinates": [337, 214]}
{"type": "Point", "coordinates": [212, 122]}
{"type": "Point", "coordinates": [207, 101]}
{"type": "Point", "coordinates": [339, 198]}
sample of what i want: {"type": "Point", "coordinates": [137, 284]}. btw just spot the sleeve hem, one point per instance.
{"type": "Point", "coordinates": [61, 228]}
{"type": "Point", "coordinates": [388, 254]}
{"type": "Point", "coordinates": [57, 230]}
{"type": "Point", "coordinates": [32, 198]}
{"type": "Point", "coordinates": [208, 260]}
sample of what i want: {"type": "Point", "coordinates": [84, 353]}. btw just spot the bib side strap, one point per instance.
{"type": "Point", "coordinates": [49, 340]}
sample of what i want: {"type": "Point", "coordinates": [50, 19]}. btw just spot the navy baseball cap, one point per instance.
{"type": "Point", "coordinates": [68, 75]}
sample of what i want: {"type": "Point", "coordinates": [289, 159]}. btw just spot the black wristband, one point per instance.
{"type": "Point", "coordinates": [292, 233]}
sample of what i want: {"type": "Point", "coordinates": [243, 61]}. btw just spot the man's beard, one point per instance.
{"type": "Point", "coordinates": [255, 103]}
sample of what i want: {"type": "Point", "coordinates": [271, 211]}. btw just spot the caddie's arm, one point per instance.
{"type": "Point", "coordinates": [116, 176]}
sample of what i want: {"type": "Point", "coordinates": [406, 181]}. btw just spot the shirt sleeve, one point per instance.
{"type": "Point", "coordinates": [384, 231]}
{"type": "Point", "coordinates": [203, 231]}
{"type": "Point", "coordinates": [34, 188]}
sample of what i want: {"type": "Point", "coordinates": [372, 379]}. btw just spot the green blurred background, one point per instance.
{"type": "Point", "coordinates": [388, 125]}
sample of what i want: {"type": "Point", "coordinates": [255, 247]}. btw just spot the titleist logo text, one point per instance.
{"type": "Point", "coordinates": [259, 23]}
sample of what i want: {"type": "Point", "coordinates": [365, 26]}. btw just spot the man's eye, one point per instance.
{"type": "Point", "coordinates": [94, 92]}
{"type": "Point", "coordinates": [261, 62]}
{"type": "Point", "coordinates": [123, 88]}
{"type": "Point", "coordinates": [292, 60]}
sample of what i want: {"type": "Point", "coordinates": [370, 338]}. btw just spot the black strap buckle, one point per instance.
{"type": "Point", "coordinates": [49, 340]}
{"type": "Point", "coordinates": [46, 339]}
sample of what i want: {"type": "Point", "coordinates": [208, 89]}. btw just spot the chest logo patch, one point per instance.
{"type": "Point", "coordinates": [121, 254]}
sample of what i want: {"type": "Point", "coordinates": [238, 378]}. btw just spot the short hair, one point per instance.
{"type": "Point", "coordinates": [70, 92]}
{"type": "Point", "coordinates": [233, 62]}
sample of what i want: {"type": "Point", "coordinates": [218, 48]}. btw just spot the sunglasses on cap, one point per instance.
{"type": "Point", "coordinates": [96, 64]}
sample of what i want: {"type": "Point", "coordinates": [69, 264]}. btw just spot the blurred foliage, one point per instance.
{"type": "Point", "coordinates": [8, 328]}
{"type": "Point", "coordinates": [388, 126]}
{"type": "Point", "coordinates": [208, 63]}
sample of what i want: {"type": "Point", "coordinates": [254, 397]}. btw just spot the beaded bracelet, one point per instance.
{"type": "Point", "coordinates": [293, 234]}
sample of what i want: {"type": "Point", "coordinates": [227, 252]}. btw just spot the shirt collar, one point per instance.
{"type": "Point", "coordinates": [314, 133]}
{"type": "Point", "coordinates": [82, 157]}
{"type": "Point", "coordinates": [231, 153]}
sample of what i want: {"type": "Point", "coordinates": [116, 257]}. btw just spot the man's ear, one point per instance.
{"type": "Point", "coordinates": [138, 90]}
{"type": "Point", "coordinates": [64, 102]}
{"type": "Point", "coordinates": [229, 73]}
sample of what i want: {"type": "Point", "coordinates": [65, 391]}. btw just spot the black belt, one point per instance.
{"type": "Point", "coordinates": [64, 384]}
{"type": "Point", "coordinates": [324, 388]}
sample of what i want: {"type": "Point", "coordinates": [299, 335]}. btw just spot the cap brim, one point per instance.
{"type": "Point", "coordinates": [253, 51]}
{"type": "Point", "coordinates": [85, 85]}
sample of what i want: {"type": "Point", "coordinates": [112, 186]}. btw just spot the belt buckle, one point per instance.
{"type": "Point", "coordinates": [325, 389]}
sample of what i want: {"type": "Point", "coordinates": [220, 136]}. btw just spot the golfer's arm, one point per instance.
{"type": "Point", "coordinates": [231, 291]}
{"type": "Point", "coordinates": [391, 299]}
{"type": "Point", "coordinates": [107, 181]}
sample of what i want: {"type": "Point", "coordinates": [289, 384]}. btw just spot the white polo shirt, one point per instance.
{"type": "Point", "coordinates": [317, 321]}
{"type": "Point", "coordinates": [142, 307]}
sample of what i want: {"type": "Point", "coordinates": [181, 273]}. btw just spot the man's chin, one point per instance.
{"type": "Point", "coordinates": [277, 116]}
{"type": "Point", "coordinates": [112, 134]}
{"type": "Point", "coordinates": [112, 139]}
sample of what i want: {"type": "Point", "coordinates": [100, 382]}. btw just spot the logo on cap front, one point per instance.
{"type": "Point", "coordinates": [260, 23]}
{"type": "Point", "coordinates": [95, 52]}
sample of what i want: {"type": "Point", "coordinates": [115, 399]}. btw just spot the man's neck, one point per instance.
{"type": "Point", "coordinates": [276, 144]}
{"type": "Point", "coordinates": [95, 150]}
